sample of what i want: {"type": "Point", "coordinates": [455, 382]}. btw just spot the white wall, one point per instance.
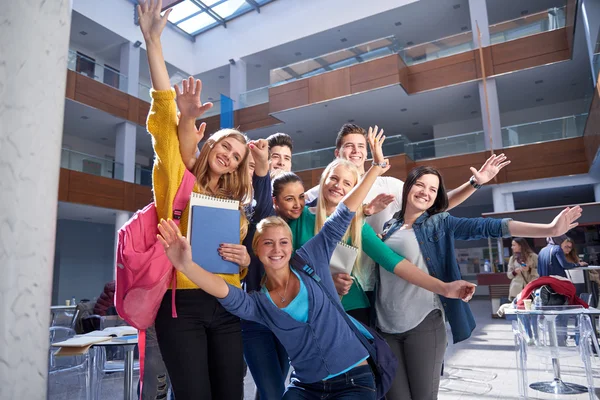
{"type": "Point", "coordinates": [280, 22]}
{"type": "Point", "coordinates": [88, 147]}
{"type": "Point", "coordinates": [117, 15]}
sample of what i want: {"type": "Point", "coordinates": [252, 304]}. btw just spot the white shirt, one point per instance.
{"type": "Point", "coordinates": [382, 185]}
{"type": "Point", "coordinates": [401, 306]}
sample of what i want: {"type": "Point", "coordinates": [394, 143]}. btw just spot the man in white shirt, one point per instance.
{"type": "Point", "coordinates": [385, 197]}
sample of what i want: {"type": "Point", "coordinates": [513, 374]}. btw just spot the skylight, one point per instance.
{"type": "Point", "coordinates": [197, 16]}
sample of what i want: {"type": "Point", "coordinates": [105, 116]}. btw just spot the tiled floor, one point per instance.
{"type": "Point", "coordinates": [483, 367]}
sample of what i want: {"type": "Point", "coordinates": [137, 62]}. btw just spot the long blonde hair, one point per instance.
{"type": "Point", "coordinates": [354, 231]}
{"type": "Point", "coordinates": [235, 185]}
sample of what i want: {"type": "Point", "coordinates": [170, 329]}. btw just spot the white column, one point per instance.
{"type": "Point", "coordinates": [597, 192]}
{"type": "Point", "coordinates": [130, 67]}
{"type": "Point", "coordinates": [125, 150]}
{"type": "Point", "coordinates": [121, 217]}
{"type": "Point", "coordinates": [492, 129]}
{"type": "Point", "coordinates": [502, 201]}
{"type": "Point", "coordinates": [34, 38]}
{"type": "Point", "coordinates": [237, 83]}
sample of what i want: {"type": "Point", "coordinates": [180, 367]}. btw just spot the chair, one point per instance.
{"type": "Point", "coordinates": [61, 369]}
{"type": "Point", "coordinates": [557, 337]}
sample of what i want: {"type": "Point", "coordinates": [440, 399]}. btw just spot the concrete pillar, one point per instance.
{"type": "Point", "coordinates": [121, 217]}
{"type": "Point", "coordinates": [130, 67]}
{"type": "Point", "coordinates": [597, 192]}
{"type": "Point", "coordinates": [34, 38]}
{"type": "Point", "coordinates": [492, 129]}
{"type": "Point", "coordinates": [502, 201]}
{"type": "Point", "coordinates": [237, 84]}
{"type": "Point", "coordinates": [125, 151]}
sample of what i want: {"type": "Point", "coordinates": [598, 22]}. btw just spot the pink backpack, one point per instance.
{"type": "Point", "coordinates": [143, 271]}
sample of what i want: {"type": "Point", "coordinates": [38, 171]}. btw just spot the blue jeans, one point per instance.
{"type": "Point", "coordinates": [358, 383]}
{"type": "Point", "coordinates": [266, 358]}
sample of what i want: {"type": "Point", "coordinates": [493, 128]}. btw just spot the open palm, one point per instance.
{"type": "Point", "coordinates": [176, 246]}
{"type": "Point", "coordinates": [565, 221]}
{"type": "Point", "coordinates": [188, 99]}
{"type": "Point", "coordinates": [490, 168]}
{"type": "Point", "coordinates": [150, 20]}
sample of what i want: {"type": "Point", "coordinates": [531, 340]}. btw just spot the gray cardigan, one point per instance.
{"type": "Point", "coordinates": [325, 344]}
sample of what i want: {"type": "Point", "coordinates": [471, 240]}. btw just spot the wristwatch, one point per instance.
{"type": "Point", "coordinates": [382, 165]}
{"type": "Point", "coordinates": [474, 184]}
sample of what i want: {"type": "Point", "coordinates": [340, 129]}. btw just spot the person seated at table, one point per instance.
{"type": "Point", "coordinates": [553, 259]}
{"type": "Point", "coordinates": [522, 267]}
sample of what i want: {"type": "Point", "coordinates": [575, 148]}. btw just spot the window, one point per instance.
{"type": "Point", "coordinates": [111, 76]}
{"type": "Point", "coordinates": [85, 65]}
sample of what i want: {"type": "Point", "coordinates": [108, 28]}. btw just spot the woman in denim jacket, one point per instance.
{"type": "Point", "coordinates": [412, 319]}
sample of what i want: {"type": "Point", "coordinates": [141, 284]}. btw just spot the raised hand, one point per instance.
{"type": "Point", "coordinates": [150, 20]}
{"type": "Point", "coordinates": [236, 253]}
{"type": "Point", "coordinates": [460, 290]}
{"type": "Point", "coordinates": [565, 220]}
{"type": "Point", "coordinates": [188, 99]}
{"type": "Point", "coordinates": [490, 169]}
{"type": "Point", "coordinates": [378, 204]}
{"type": "Point", "coordinates": [376, 138]}
{"type": "Point", "coordinates": [342, 283]}
{"type": "Point", "coordinates": [176, 246]}
{"type": "Point", "coordinates": [260, 152]}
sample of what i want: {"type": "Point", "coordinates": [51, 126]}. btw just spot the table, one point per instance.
{"type": "Point", "coordinates": [93, 368]}
{"type": "Point", "coordinates": [557, 385]}
{"type": "Point", "coordinates": [588, 284]}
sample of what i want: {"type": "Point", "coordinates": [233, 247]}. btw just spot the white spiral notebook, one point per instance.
{"type": "Point", "coordinates": [343, 259]}
{"type": "Point", "coordinates": [213, 221]}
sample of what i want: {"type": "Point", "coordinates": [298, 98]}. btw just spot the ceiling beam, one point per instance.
{"type": "Point", "coordinates": [254, 5]}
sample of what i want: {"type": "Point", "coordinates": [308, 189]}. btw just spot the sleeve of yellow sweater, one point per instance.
{"type": "Point", "coordinates": [169, 168]}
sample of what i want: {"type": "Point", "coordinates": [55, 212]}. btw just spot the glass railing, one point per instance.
{"type": "Point", "coordinates": [215, 109]}
{"type": "Point", "coordinates": [544, 21]}
{"type": "Point", "coordinates": [100, 166]}
{"type": "Point", "coordinates": [144, 92]}
{"type": "Point", "coordinates": [254, 97]}
{"type": "Point", "coordinates": [102, 73]}
{"type": "Point", "coordinates": [440, 48]}
{"type": "Point", "coordinates": [465, 143]}
{"type": "Point", "coordinates": [543, 131]}
{"type": "Point", "coordinates": [335, 60]}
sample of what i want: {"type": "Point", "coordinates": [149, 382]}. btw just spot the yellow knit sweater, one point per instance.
{"type": "Point", "coordinates": [169, 168]}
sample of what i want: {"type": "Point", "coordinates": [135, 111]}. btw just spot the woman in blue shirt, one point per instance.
{"type": "Point", "coordinates": [412, 319]}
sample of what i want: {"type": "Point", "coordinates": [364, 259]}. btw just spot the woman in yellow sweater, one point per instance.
{"type": "Point", "coordinates": [202, 347]}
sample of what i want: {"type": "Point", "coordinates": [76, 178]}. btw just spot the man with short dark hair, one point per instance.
{"type": "Point", "coordinates": [280, 151]}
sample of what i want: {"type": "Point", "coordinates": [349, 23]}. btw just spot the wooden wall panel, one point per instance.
{"type": "Point", "coordinates": [591, 135]}
{"type": "Point", "coordinates": [71, 82]}
{"type": "Point", "coordinates": [530, 46]}
{"type": "Point", "coordinates": [378, 73]}
{"type": "Point", "coordinates": [570, 16]}
{"type": "Point", "coordinates": [133, 109]}
{"type": "Point", "coordinates": [455, 169]}
{"type": "Point", "coordinates": [104, 97]}
{"type": "Point", "coordinates": [329, 85]}
{"type": "Point", "coordinates": [539, 160]}
{"type": "Point", "coordinates": [143, 196]}
{"type": "Point", "coordinates": [254, 117]}
{"type": "Point", "coordinates": [376, 83]}
{"type": "Point", "coordinates": [143, 111]}
{"type": "Point", "coordinates": [63, 185]}
{"type": "Point", "coordinates": [488, 62]}
{"type": "Point", "coordinates": [213, 124]}
{"type": "Point", "coordinates": [531, 62]}
{"type": "Point", "coordinates": [290, 95]}
{"type": "Point", "coordinates": [444, 76]}
{"type": "Point", "coordinates": [129, 195]}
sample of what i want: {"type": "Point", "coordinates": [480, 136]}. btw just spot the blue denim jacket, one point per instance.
{"type": "Point", "coordinates": [436, 235]}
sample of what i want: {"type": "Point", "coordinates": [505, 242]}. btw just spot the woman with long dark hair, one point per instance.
{"type": "Point", "coordinates": [412, 319]}
{"type": "Point", "coordinates": [522, 267]}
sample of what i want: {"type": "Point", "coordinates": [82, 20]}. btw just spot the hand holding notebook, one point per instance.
{"type": "Point", "coordinates": [343, 259]}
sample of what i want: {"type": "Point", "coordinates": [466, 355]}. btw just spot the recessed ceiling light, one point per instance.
{"type": "Point", "coordinates": [539, 99]}
{"type": "Point", "coordinates": [524, 12]}
{"type": "Point", "coordinates": [415, 123]}
{"type": "Point", "coordinates": [350, 120]}
{"type": "Point", "coordinates": [473, 112]}
{"type": "Point", "coordinates": [231, 61]}
{"type": "Point", "coordinates": [574, 84]}
{"type": "Point", "coordinates": [424, 133]}
{"type": "Point", "coordinates": [258, 65]}
{"type": "Point", "coordinates": [403, 109]}
{"type": "Point", "coordinates": [456, 6]}
{"type": "Point", "coordinates": [343, 40]}
{"type": "Point", "coordinates": [221, 76]}
{"type": "Point", "coordinates": [464, 28]}
{"type": "Point", "coordinates": [539, 81]}
{"type": "Point", "coordinates": [325, 105]}
{"type": "Point", "coordinates": [85, 117]}
{"type": "Point", "coordinates": [298, 131]}
{"type": "Point", "coordinates": [104, 139]}
{"type": "Point", "coordinates": [297, 53]}
{"type": "Point", "coordinates": [87, 218]}
{"type": "Point", "coordinates": [210, 99]}
{"type": "Point", "coordinates": [317, 141]}
{"type": "Point", "coordinates": [410, 43]}
{"type": "Point", "coordinates": [83, 33]}
{"type": "Point", "coordinates": [398, 23]}
{"type": "Point", "coordinates": [467, 96]}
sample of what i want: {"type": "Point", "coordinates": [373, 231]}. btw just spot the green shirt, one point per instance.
{"type": "Point", "coordinates": [303, 230]}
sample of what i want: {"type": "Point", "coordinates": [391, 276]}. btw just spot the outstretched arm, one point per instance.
{"type": "Point", "coordinates": [190, 108]}
{"type": "Point", "coordinates": [562, 223]}
{"type": "Point", "coordinates": [486, 173]}
{"type": "Point", "coordinates": [152, 25]}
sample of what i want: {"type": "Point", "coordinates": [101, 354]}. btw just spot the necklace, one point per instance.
{"type": "Point", "coordinates": [285, 290]}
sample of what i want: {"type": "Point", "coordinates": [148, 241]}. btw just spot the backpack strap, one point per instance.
{"type": "Point", "coordinates": [301, 265]}
{"type": "Point", "coordinates": [142, 351]}
{"type": "Point", "coordinates": [182, 198]}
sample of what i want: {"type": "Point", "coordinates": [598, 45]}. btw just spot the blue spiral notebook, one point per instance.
{"type": "Point", "coordinates": [213, 221]}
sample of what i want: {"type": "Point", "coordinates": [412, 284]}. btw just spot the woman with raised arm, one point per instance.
{"type": "Point", "coordinates": [202, 347]}
{"type": "Point", "coordinates": [330, 363]}
{"type": "Point", "coordinates": [412, 319]}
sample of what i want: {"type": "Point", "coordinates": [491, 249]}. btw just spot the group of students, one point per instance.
{"type": "Point", "coordinates": [271, 314]}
